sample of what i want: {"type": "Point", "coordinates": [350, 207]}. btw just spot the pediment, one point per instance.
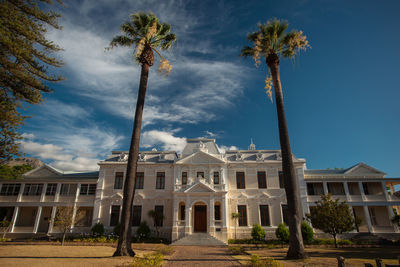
{"type": "Point", "coordinates": [242, 195]}
{"type": "Point", "coordinates": [42, 172]}
{"type": "Point", "coordinates": [264, 195]}
{"type": "Point", "coordinates": [363, 169]}
{"type": "Point", "coordinates": [200, 158]}
{"type": "Point", "coordinates": [199, 188]}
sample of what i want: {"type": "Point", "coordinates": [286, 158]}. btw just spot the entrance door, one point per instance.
{"type": "Point", "coordinates": [200, 218]}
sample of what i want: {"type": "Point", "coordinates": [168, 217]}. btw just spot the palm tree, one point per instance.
{"type": "Point", "coordinates": [271, 41]}
{"type": "Point", "coordinates": [235, 217]}
{"type": "Point", "coordinates": [146, 33]}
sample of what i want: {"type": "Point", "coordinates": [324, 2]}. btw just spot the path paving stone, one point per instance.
{"type": "Point", "coordinates": [201, 256]}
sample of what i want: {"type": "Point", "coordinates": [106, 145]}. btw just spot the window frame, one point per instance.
{"type": "Point", "coordinates": [158, 209]}
{"type": "Point", "coordinates": [51, 189]}
{"type": "Point", "coordinates": [118, 180]}
{"type": "Point", "coordinates": [184, 178]}
{"type": "Point", "coordinates": [138, 213]}
{"type": "Point", "coordinates": [240, 180]}
{"type": "Point", "coordinates": [242, 210]}
{"type": "Point", "coordinates": [68, 192]}
{"type": "Point", "coordinates": [160, 180]}
{"type": "Point", "coordinates": [34, 189]}
{"type": "Point", "coordinates": [113, 211]}
{"type": "Point", "coordinates": [139, 180]}
{"type": "Point", "coordinates": [89, 191]}
{"type": "Point", "coordinates": [217, 212]}
{"type": "Point", "coordinates": [264, 220]}
{"type": "Point", "coordinates": [11, 189]}
{"type": "Point", "coordinates": [216, 179]}
{"type": "Point", "coordinates": [262, 179]}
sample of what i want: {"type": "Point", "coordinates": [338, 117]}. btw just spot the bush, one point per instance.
{"type": "Point", "coordinates": [154, 260]}
{"type": "Point", "coordinates": [307, 232]}
{"type": "Point", "coordinates": [282, 233]}
{"type": "Point", "coordinates": [236, 250]}
{"type": "Point", "coordinates": [241, 241]}
{"type": "Point", "coordinates": [344, 242]}
{"type": "Point", "coordinates": [143, 232]}
{"type": "Point", "coordinates": [255, 261]}
{"type": "Point", "coordinates": [117, 229]}
{"type": "Point", "coordinates": [97, 229]}
{"type": "Point", "coordinates": [257, 233]}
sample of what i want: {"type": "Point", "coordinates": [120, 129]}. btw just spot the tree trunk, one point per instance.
{"type": "Point", "coordinates": [296, 246]}
{"type": "Point", "coordinates": [124, 247]}
{"type": "Point", "coordinates": [334, 239]}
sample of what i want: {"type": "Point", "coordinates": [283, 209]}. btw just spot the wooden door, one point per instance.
{"type": "Point", "coordinates": [200, 218]}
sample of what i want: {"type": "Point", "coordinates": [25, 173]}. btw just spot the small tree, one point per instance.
{"type": "Point", "coordinates": [235, 217]}
{"type": "Point", "coordinates": [97, 229]}
{"type": "Point", "coordinates": [5, 224]}
{"type": "Point", "coordinates": [143, 231]}
{"type": "Point", "coordinates": [257, 232]}
{"type": "Point", "coordinates": [332, 217]}
{"type": "Point", "coordinates": [307, 232]}
{"type": "Point", "coordinates": [64, 220]}
{"type": "Point", "coordinates": [158, 219]}
{"type": "Point", "coordinates": [282, 233]}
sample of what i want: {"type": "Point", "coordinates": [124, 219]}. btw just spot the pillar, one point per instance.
{"type": "Point", "coordinates": [58, 189]}
{"type": "Point", "coordinates": [212, 220]}
{"type": "Point", "coordinates": [14, 218]}
{"type": "Point", "coordinates": [43, 195]}
{"type": "Point", "coordinates": [37, 220]}
{"type": "Point", "coordinates": [385, 192]}
{"type": "Point", "coordinates": [360, 186]}
{"type": "Point", "coordinates": [325, 186]}
{"type": "Point", "coordinates": [53, 217]}
{"type": "Point", "coordinates": [368, 219]}
{"type": "Point", "coordinates": [346, 191]}
{"type": "Point", "coordinates": [21, 191]}
{"type": "Point", "coordinates": [78, 190]}
{"type": "Point", "coordinates": [98, 198]}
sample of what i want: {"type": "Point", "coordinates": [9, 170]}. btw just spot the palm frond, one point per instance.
{"type": "Point", "coordinates": [247, 51]}
{"type": "Point", "coordinates": [120, 40]}
{"type": "Point", "coordinates": [167, 41]}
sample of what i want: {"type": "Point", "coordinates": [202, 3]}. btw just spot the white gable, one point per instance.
{"type": "Point", "coordinates": [363, 169]}
{"type": "Point", "coordinates": [199, 188]}
{"type": "Point", "coordinates": [42, 172]}
{"type": "Point", "coordinates": [200, 158]}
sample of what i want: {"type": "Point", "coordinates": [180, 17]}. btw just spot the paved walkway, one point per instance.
{"type": "Point", "coordinates": [201, 256]}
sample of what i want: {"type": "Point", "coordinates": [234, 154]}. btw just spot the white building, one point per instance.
{"type": "Point", "coordinates": [196, 191]}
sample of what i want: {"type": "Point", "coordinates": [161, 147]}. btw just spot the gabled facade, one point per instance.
{"type": "Point", "coordinates": [196, 191]}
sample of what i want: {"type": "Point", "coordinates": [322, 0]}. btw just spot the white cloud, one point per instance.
{"type": "Point", "coordinates": [27, 136]}
{"type": "Point", "coordinates": [44, 151]}
{"type": "Point", "coordinates": [164, 138]}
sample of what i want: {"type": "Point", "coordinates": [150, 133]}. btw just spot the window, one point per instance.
{"type": "Point", "coordinates": [285, 214]}
{"type": "Point", "coordinates": [84, 217]}
{"type": "Point", "coordinates": [33, 189]}
{"type": "Point", "coordinates": [158, 220]}
{"type": "Point", "coordinates": [243, 215]}
{"type": "Point", "coordinates": [281, 180]}
{"type": "Point", "coordinates": [216, 177]}
{"type": "Point", "coordinates": [119, 179]}
{"type": "Point", "coordinates": [217, 212]}
{"type": "Point", "coordinates": [262, 180]}
{"type": "Point", "coordinates": [160, 182]}
{"type": "Point", "coordinates": [201, 174]}
{"type": "Point", "coordinates": [51, 189]}
{"type": "Point", "coordinates": [88, 189]}
{"type": "Point", "coordinates": [184, 178]}
{"type": "Point", "coordinates": [264, 215]}
{"type": "Point", "coordinates": [336, 188]}
{"type": "Point", "coordinates": [10, 189]}
{"type": "Point", "coordinates": [114, 218]}
{"type": "Point", "coordinates": [315, 189]}
{"type": "Point", "coordinates": [68, 189]}
{"type": "Point", "coordinates": [240, 183]}
{"type": "Point", "coordinates": [366, 189]}
{"type": "Point", "coordinates": [139, 180]}
{"type": "Point", "coordinates": [137, 215]}
{"type": "Point", "coordinates": [182, 214]}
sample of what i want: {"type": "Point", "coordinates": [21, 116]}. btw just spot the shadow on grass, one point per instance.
{"type": "Point", "coordinates": [43, 257]}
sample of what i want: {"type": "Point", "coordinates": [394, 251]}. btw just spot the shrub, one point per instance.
{"type": "Point", "coordinates": [143, 231]}
{"type": "Point", "coordinates": [154, 260]}
{"type": "Point", "coordinates": [282, 233]}
{"type": "Point", "coordinates": [117, 229]}
{"type": "Point", "coordinates": [165, 250]}
{"type": "Point", "coordinates": [236, 250]}
{"type": "Point", "coordinates": [307, 232]}
{"type": "Point", "coordinates": [240, 241]}
{"type": "Point", "coordinates": [257, 232]}
{"type": "Point", "coordinates": [255, 261]}
{"type": "Point", "coordinates": [344, 242]}
{"type": "Point", "coordinates": [97, 229]}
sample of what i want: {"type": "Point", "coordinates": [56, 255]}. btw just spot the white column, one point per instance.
{"type": "Point", "coordinates": [325, 186]}
{"type": "Point", "coordinates": [175, 214]}
{"type": "Point", "coordinates": [360, 186]}
{"type": "Point", "coordinates": [212, 223]}
{"type": "Point", "coordinates": [385, 192]}
{"type": "Point", "coordinates": [346, 191]}
{"type": "Point", "coordinates": [37, 220]}
{"type": "Point", "coordinates": [14, 218]}
{"type": "Point", "coordinates": [98, 198]}
{"type": "Point", "coordinates": [225, 218]}
{"type": "Point", "coordinates": [43, 195]}
{"type": "Point", "coordinates": [368, 219]}
{"type": "Point", "coordinates": [57, 196]}
{"type": "Point", "coordinates": [53, 216]}
{"type": "Point", "coordinates": [188, 211]}
{"type": "Point", "coordinates": [78, 190]}
{"type": "Point", "coordinates": [21, 191]}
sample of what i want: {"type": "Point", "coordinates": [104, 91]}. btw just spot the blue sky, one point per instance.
{"type": "Point", "coordinates": [341, 96]}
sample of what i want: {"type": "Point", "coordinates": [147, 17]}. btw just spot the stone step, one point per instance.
{"type": "Point", "coordinates": [199, 239]}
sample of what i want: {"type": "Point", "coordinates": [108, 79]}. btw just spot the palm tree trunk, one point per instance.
{"type": "Point", "coordinates": [124, 247]}
{"type": "Point", "coordinates": [296, 246]}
